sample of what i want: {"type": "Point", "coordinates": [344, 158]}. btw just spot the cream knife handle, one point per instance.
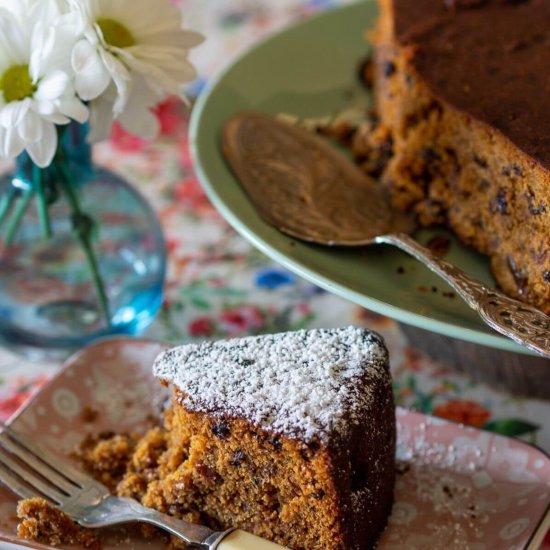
{"type": "Point", "coordinates": [241, 540]}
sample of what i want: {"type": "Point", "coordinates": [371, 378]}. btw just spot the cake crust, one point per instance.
{"type": "Point", "coordinates": [498, 76]}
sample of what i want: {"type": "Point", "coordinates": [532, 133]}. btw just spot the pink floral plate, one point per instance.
{"type": "Point", "coordinates": [457, 487]}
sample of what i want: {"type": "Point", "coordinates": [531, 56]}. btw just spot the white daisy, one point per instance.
{"type": "Point", "coordinates": [133, 53]}
{"type": "Point", "coordinates": [36, 89]}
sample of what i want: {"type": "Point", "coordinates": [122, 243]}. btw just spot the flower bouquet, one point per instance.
{"type": "Point", "coordinates": [68, 70]}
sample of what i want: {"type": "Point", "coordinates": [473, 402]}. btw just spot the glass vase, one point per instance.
{"type": "Point", "coordinates": [82, 254]}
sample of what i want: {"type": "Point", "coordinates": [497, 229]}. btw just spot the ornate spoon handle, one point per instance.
{"type": "Point", "coordinates": [520, 322]}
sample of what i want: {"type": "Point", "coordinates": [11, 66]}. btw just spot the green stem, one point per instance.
{"type": "Point", "coordinates": [17, 217]}
{"type": "Point", "coordinates": [41, 203]}
{"type": "Point", "coordinates": [67, 186]}
{"type": "Point", "coordinates": [5, 205]}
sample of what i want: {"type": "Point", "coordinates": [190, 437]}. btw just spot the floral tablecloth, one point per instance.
{"type": "Point", "coordinates": [219, 286]}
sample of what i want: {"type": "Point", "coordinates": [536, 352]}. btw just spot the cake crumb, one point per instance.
{"type": "Point", "coordinates": [42, 522]}
{"type": "Point", "coordinates": [106, 456]}
{"type": "Point", "coordinates": [89, 415]}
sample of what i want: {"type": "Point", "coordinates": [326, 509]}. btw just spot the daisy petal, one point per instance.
{"type": "Point", "coordinates": [12, 39]}
{"type": "Point", "coordinates": [172, 37]}
{"type": "Point", "coordinates": [12, 144]}
{"type": "Point", "coordinates": [137, 117]}
{"type": "Point", "coordinates": [50, 111]}
{"type": "Point", "coordinates": [44, 108]}
{"type": "Point", "coordinates": [13, 113]}
{"type": "Point", "coordinates": [43, 150]}
{"type": "Point", "coordinates": [101, 120]}
{"type": "Point", "coordinates": [121, 78]}
{"type": "Point", "coordinates": [73, 108]}
{"type": "Point", "coordinates": [156, 77]}
{"type": "Point", "coordinates": [53, 86]}
{"type": "Point", "coordinates": [91, 74]}
{"type": "Point", "coordinates": [43, 43]}
{"type": "Point", "coordinates": [31, 128]}
{"type": "Point", "coordinates": [144, 124]}
{"type": "Point", "coordinates": [58, 119]}
{"type": "Point", "coordinates": [113, 65]}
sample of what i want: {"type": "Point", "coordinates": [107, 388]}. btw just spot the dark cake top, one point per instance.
{"type": "Point", "coordinates": [488, 58]}
{"type": "Point", "coordinates": [308, 385]}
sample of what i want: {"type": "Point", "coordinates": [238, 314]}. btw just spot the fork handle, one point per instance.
{"type": "Point", "coordinates": [117, 510]}
{"type": "Point", "coordinates": [241, 540]}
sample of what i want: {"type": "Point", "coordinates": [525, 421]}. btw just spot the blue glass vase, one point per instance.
{"type": "Point", "coordinates": [82, 254]}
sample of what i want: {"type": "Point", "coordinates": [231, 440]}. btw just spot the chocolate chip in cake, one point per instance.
{"type": "Point", "coordinates": [257, 481]}
{"type": "Point", "coordinates": [483, 184]}
{"type": "Point", "coordinates": [207, 472]}
{"type": "Point", "coordinates": [389, 69]}
{"type": "Point", "coordinates": [534, 209]}
{"type": "Point", "coordinates": [221, 430]}
{"type": "Point", "coordinates": [480, 161]}
{"type": "Point", "coordinates": [513, 170]}
{"type": "Point", "coordinates": [275, 442]}
{"type": "Point", "coordinates": [318, 495]}
{"type": "Point", "coordinates": [430, 155]}
{"type": "Point", "coordinates": [451, 154]}
{"type": "Point", "coordinates": [546, 276]}
{"type": "Point", "coordinates": [247, 362]}
{"type": "Point", "coordinates": [519, 277]}
{"type": "Point", "coordinates": [238, 458]}
{"type": "Point", "coordinates": [500, 203]}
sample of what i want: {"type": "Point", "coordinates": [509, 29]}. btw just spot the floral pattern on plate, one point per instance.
{"type": "Point", "coordinates": [457, 487]}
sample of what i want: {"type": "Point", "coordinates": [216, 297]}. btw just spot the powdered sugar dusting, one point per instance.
{"type": "Point", "coordinates": [307, 384]}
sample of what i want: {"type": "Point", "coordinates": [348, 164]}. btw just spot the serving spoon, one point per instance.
{"type": "Point", "coordinates": [309, 190]}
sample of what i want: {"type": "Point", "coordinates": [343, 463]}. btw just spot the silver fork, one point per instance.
{"type": "Point", "coordinates": [31, 471]}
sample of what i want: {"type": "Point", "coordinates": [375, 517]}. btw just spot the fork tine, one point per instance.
{"type": "Point", "coordinates": [31, 478]}
{"type": "Point", "coordinates": [37, 464]}
{"type": "Point", "coordinates": [14, 485]}
{"type": "Point", "coordinates": [59, 464]}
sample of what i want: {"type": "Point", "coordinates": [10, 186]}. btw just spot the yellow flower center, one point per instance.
{"type": "Point", "coordinates": [115, 33]}
{"type": "Point", "coordinates": [16, 83]}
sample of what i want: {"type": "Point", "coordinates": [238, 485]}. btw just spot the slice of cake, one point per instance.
{"type": "Point", "coordinates": [288, 436]}
{"type": "Point", "coordinates": [462, 94]}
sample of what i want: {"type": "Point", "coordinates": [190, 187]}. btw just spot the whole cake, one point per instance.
{"type": "Point", "coordinates": [288, 436]}
{"type": "Point", "coordinates": [462, 96]}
